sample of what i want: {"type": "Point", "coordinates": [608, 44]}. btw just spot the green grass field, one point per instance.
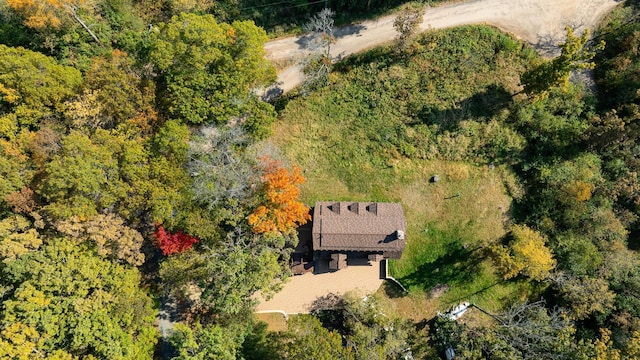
{"type": "Point", "coordinates": [388, 122]}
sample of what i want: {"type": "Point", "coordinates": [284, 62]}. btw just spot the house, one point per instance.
{"type": "Point", "coordinates": [343, 231]}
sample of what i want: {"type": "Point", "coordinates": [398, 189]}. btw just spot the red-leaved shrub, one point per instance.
{"type": "Point", "coordinates": [173, 243]}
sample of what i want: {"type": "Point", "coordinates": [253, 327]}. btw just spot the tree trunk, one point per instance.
{"type": "Point", "coordinates": [72, 9]}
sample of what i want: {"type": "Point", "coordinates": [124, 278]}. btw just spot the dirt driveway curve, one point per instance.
{"type": "Point", "coordinates": [539, 22]}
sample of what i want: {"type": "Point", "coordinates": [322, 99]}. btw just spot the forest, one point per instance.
{"type": "Point", "coordinates": [140, 165]}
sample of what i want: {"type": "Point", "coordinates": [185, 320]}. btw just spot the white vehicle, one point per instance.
{"type": "Point", "coordinates": [458, 311]}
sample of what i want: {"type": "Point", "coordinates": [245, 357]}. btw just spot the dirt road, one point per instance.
{"type": "Point", "coordinates": [539, 22]}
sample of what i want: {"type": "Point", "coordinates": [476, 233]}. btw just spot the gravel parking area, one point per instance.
{"type": "Point", "coordinates": [301, 291]}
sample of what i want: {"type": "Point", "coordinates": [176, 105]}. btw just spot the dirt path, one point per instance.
{"type": "Point", "coordinates": [166, 319]}
{"type": "Point", "coordinates": [539, 22]}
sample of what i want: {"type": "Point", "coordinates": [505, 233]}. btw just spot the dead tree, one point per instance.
{"type": "Point", "coordinates": [317, 66]}
{"type": "Point", "coordinates": [406, 24]}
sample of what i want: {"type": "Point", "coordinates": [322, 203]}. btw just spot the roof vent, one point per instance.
{"type": "Point", "coordinates": [335, 207]}
{"type": "Point", "coordinates": [400, 234]}
{"type": "Point", "coordinates": [372, 208]}
{"type": "Point", "coordinates": [353, 208]}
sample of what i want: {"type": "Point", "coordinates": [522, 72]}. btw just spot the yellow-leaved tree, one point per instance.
{"type": "Point", "coordinates": [19, 341]}
{"type": "Point", "coordinates": [526, 255]}
{"type": "Point", "coordinates": [603, 347]}
{"type": "Point", "coordinates": [576, 54]}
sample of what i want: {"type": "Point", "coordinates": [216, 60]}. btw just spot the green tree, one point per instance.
{"type": "Point", "coordinates": [260, 343]}
{"type": "Point", "coordinates": [578, 254]}
{"type": "Point", "coordinates": [82, 179]}
{"type": "Point", "coordinates": [554, 125]}
{"type": "Point", "coordinates": [208, 69]}
{"type": "Point", "coordinates": [207, 342]}
{"type": "Point", "coordinates": [373, 328]}
{"type": "Point", "coordinates": [370, 329]}
{"type": "Point", "coordinates": [578, 292]}
{"type": "Point", "coordinates": [113, 171]}
{"type": "Point", "coordinates": [620, 270]}
{"type": "Point", "coordinates": [169, 190]}
{"type": "Point", "coordinates": [447, 334]}
{"type": "Point", "coordinates": [79, 303]}
{"type": "Point", "coordinates": [224, 277]}
{"type": "Point", "coordinates": [575, 55]}
{"type": "Point", "coordinates": [306, 338]}
{"type": "Point", "coordinates": [615, 136]}
{"type": "Point", "coordinates": [130, 181]}
{"type": "Point", "coordinates": [32, 86]}
{"type": "Point", "coordinates": [555, 196]}
{"type": "Point", "coordinates": [616, 73]}
{"type": "Point", "coordinates": [524, 331]}
{"type": "Point", "coordinates": [171, 141]}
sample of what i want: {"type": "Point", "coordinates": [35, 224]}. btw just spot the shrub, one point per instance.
{"type": "Point", "coordinates": [173, 243]}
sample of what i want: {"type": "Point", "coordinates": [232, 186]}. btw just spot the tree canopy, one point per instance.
{"type": "Point", "coordinates": [66, 299]}
{"type": "Point", "coordinates": [210, 69]}
{"type": "Point", "coordinates": [33, 86]}
{"type": "Point", "coordinates": [281, 211]}
{"type": "Point", "coordinates": [575, 54]}
{"type": "Point", "coordinates": [131, 175]}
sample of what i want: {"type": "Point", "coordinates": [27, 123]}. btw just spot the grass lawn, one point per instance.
{"type": "Point", "coordinates": [275, 321]}
{"type": "Point", "coordinates": [387, 123]}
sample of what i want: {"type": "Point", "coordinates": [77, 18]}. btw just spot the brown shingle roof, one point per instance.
{"type": "Point", "coordinates": [359, 226]}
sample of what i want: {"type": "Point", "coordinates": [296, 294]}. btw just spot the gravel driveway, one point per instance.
{"type": "Point", "coordinates": [301, 291]}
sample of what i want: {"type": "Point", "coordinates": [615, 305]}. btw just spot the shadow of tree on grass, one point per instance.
{"type": "Point", "coordinates": [380, 57]}
{"type": "Point", "coordinates": [457, 265]}
{"type": "Point", "coordinates": [392, 290]}
{"type": "Point", "coordinates": [483, 104]}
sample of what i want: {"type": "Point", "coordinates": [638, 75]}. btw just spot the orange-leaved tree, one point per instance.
{"type": "Point", "coordinates": [44, 13]}
{"type": "Point", "coordinates": [281, 210]}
